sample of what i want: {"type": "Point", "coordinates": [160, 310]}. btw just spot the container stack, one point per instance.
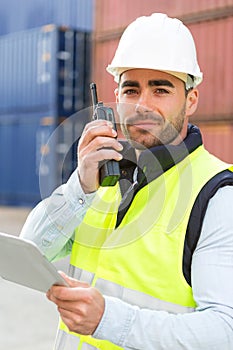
{"type": "Point", "coordinates": [21, 15]}
{"type": "Point", "coordinates": [211, 23]}
{"type": "Point", "coordinates": [45, 76]}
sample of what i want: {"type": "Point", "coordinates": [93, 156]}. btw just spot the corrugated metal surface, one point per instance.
{"type": "Point", "coordinates": [38, 153]}
{"type": "Point", "coordinates": [218, 139]}
{"type": "Point", "coordinates": [28, 69]}
{"type": "Point", "coordinates": [40, 70]}
{"type": "Point", "coordinates": [20, 145]}
{"type": "Point", "coordinates": [211, 22]}
{"type": "Point", "coordinates": [102, 57]}
{"type": "Point", "coordinates": [215, 52]}
{"type": "Point", "coordinates": [109, 15]}
{"type": "Point", "coordinates": [18, 15]}
{"type": "Point", "coordinates": [45, 77]}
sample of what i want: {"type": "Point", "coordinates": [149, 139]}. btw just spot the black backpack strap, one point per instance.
{"type": "Point", "coordinates": [225, 178]}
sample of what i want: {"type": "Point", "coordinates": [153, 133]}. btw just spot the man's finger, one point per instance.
{"type": "Point", "coordinates": [73, 282]}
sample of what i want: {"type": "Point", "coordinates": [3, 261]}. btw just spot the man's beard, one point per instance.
{"type": "Point", "coordinates": [167, 133]}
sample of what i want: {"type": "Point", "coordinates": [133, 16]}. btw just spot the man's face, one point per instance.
{"type": "Point", "coordinates": [152, 108]}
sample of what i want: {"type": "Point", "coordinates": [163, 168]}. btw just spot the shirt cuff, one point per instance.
{"type": "Point", "coordinates": [116, 321]}
{"type": "Point", "coordinates": [74, 194]}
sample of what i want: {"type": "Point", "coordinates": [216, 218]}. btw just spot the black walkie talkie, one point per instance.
{"type": "Point", "coordinates": [110, 170]}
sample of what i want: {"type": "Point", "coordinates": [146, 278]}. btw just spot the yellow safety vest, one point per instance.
{"type": "Point", "coordinates": [140, 261]}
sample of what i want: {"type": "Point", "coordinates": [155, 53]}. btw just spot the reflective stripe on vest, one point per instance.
{"type": "Point", "coordinates": [66, 341]}
{"type": "Point", "coordinates": [128, 295]}
{"type": "Point", "coordinates": [86, 346]}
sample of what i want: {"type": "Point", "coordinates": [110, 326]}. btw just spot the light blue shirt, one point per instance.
{"type": "Point", "coordinates": [51, 224]}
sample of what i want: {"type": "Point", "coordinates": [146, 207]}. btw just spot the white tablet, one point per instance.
{"type": "Point", "coordinates": [22, 262]}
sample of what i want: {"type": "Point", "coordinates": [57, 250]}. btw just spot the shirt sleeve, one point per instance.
{"type": "Point", "coordinates": [51, 224]}
{"type": "Point", "coordinates": [210, 326]}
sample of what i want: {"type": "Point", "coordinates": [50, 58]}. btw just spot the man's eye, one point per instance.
{"type": "Point", "coordinates": [130, 92]}
{"type": "Point", "coordinates": [161, 91]}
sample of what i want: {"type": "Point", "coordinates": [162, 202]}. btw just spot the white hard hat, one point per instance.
{"type": "Point", "coordinates": [157, 42]}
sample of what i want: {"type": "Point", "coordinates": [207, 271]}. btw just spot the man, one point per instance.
{"type": "Point", "coordinates": [152, 257]}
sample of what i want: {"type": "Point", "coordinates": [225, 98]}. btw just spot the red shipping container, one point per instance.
{"type": "Point", "coordinates": [211, 23]}
{"type": "Point", "coordinates": [112, 16]}
{"type": "Point", "coordinates": [215, 53]}
{"type": "Point", "coordinates": [213, 39]}
{"type": "Point", "coordinates": [218, 139]}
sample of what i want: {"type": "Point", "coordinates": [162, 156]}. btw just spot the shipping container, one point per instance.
{"type": "Point", "coordinates": [20, 145]}
{"type": "Point", "coordinates": [211, 23]}
{"type": "Point", "coordinates": [38, 153]}
{"type": "Point", "coordinates": [218, 139]}
{"type": "Point", "coordinates": [82, 77]}
{"type": "Point", "coordinates": [45, 77]}
{"type": "Point", "coordinates": [40, 70]}
{"type": "Point", "coordinates": [21, 15]}
{"type": "Point", "coordinates": [111, 18]}
{"type": "Point", "coordinates": [215, 53]}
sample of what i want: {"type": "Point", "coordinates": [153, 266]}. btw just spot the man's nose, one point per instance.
{"type": "Point", "coordinates": [141, 109]}
{"type": "Point", "coordinates": [143, 104]}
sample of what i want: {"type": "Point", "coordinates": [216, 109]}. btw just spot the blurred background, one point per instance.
{"type": "Point", "coordinates": [50, 51]}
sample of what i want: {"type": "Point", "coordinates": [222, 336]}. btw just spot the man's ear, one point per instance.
{"type": "Point", "coordinates": [192, 102]}
{"type": "Point", "coordinates": [116, 92]}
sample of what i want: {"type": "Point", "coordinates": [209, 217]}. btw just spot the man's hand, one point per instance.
{"type": "Point", "coordinates": [97, 143]}
{"type": "Point", "coordinates": [80, 306]}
